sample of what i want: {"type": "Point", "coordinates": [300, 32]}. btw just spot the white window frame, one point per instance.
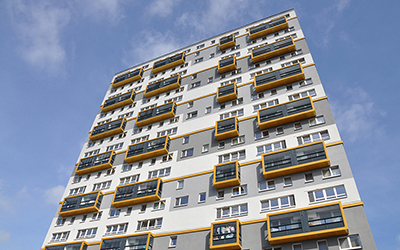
{"type": "Point", "coordinates": [87, 233]}
{"type": "Point", "coordinates": [159, 205]}
{"type": "Point", "coordinates": [159, 173]}
{"type": "Point", "coordinates": [348, 239]}
{"type": "Point", "coordinates": [116, 229]}
{"type": "Point", "coordinates": [187, 152]}
{"type": "Point", "coordinates": [316, 121]}
{"type": "Point", "coordinates": [239, 191]}
{"type": "Point", "coordinates": [149, 224]}
{"type": "Point", "coordinates": [334, 171]}
{"type": "Point", "coordinates": [129, 179]}
{"type": "Point", "coordinates": [238, 155]}
{"type": "Point", "coordinates": [323, 196]}
{"type": "Point", "coordinates": [182, 201]}
{"type": "Point", "coordinates": [271, 147]}
{"type": "Point", "coordinates": [278, 203]}
{"type": "Point", "coordinates": [200, 197]}
{"type": "Point", "coordinates": [238, 140]}
{"type": "Point", "coordinates": [314, 137]}
{"type": "Point", "coordinates": [232, 211]}
{"type": "Point", "coordinates": [269, 185]}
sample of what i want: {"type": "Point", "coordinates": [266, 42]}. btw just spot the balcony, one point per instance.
{"type": "Point", "coordinates": [268, 28]}
{"type": "Point", "coordinates": [226, 235]}
{"type": "Point", "coordinates": [227, 92]}
{"type": "Point", "coordinates": [95, 163]}
{"type": "Point", "coordinates": [136, 193]}
{"type": "Point", "coordinates": [127, 78]}
{"type": "Point", "coordinates": [227, 64]}
{"type": "Point", "coordinates": [163, 86]}
{"type": "Point", "coordinates": [142, 241]}
{"type": "Point", "coordinates": [226, 175]}
{"type": "Point", "coordinates": [286, 112]}
{"type": "Point", "coordinates": [226, 128]}
{"type": "Point", "coordinates": [118, 101]}
{"type": "Point", "coordinates": [227, 42]}
{"type": "Point", "coordinates": [156, 114]}
{"type": "Point", "coordinates": [108, 129]}
{"type": "Point", "coordinates": [295, 160]}
{"type": "Point", "coordinates": [271, 50]}
{"type": "Point", "coordinates": [304, 224]}
{"type": "Point", "coordinates": [168, 63]}
{"type": "Point", "coordinates": [279, 77]}
{"type": "Point", "coordinates": [82, 245]}
{"type": "Point", "coordinates": [81, 204]}
{"type": "Point", "coordinates": [147, 149]}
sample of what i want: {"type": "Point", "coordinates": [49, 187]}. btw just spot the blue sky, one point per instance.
{"type": "Point", "coordinates": [57, 59]}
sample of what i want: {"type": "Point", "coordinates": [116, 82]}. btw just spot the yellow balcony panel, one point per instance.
{"type": "Point", "coordinates": [139, 192]}
{"type": "Point", "coordinates": [286, 112]}
{"type": "Point", "coordinates": [226, 175]}
{"type": "Point", "coordinates": [294, 160]}
{"type": "Point", "coordinates": [168, 63]}
{"type": "Point", "coordinates": [271, 50]}
{"type": "Point", "coordinates": [108, 129]}
{"type": "Point", "coordinates": [163, 86]}
{"type": "Point", "coordinates": [147, 149]}
{"type": "Point", "coordinates": [127, 78]}
{"type": "Point", "coordinates": [78, 245]}
{"type": "Point", "coordinates": [226, 235]}
{"type": "Point", "coordinates": [142, 241]}
{"type": "Point", "coordinates": [227, 64]}
{"type": "Point", "coordinates": [118, 101]}
{"type": "Point", "coordinates": [226, 128]}
{"type": "Point", "coordinates": [81, 204]}
{"type": "Point", "coordinates": [268, 28]}
{"type": "Point", "coordinates": [227, 92]}
{"type": "Point", "coordinates": [156, 114]}
{"type": "Point", "coordinates": [227, 42]}
{"type": "Point", "coordinates": [96, 163]}
{"type": "Point", "coordinates": [315, 222]}
{"type": "Point", "coordinates": [279, 77]}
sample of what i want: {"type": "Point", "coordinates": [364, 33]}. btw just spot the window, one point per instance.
{"type": "Point", "coordinates": [115, 147]}
{"type": "Point", "coordinates": [279, 130]}
{"type": "Point", "coordinates": [172, 241]}
{"type": "Point", "coordinates": [289, 87]}
{"type": "Point", "coordinates": [222, 106]}
{"type": "Point", "coordinates": [265, 104]}
{"type": "Point", "coordinates": [185, 140]}
{"type": "Point", "coordinates": [205, 148]}
{"type": "Point", "coordinates": [140, 164]}
{"type": "Point", "coordinates": [261, 134]}
{"type": "Point", "coordinates": [323, 135]}
{"type": "Point", "coordinates": [60, 237]}
{"type": "Point", "coordinates": [271, 147]}
{"type": "Point", "coordinates": [200, 46]}
{"type": "Point", "coordinates": [115, 213]}
{"type": "Point", "coordinates": [266, 185]}
{"type": "Point", "coordinates": [170, 131]}
{"type": "Point", "coordinates": [241, 190]}
{"type": "Point", "coordinates": [191, 115]}
{"type": "Point", "coordinates": [60, 221]}
{"type": "Point", "coordinates": [237, 101]}
{"type": "Point", "coordinates": [302, 94]}
{"type": "Point", "coordinates": [202, 197]}
{"type": "Point", "coordinates": [208, 110]}
{"type": "Point", "coordinates": [129, 179]}
{"type": "Point", "coordinates": [316, 121]}
{"type": "Point", "coordinates": [190, 104]}
{"type": "Point", "coordinates": [159, 173]}
{"type": "Point", "coordinates": [153, 161]}
{"type": "Point", "coordinates": [210, 79]}
{"type": "Point", "coordinates": [278, 203]}
{"type": "Point", "coordinates": [198, 60]}
{"type": "Point", "coordinates": [257, 96]}
{"type": "Point", "coordinates": [76, 191]}
{"type": "Point", "coordinates": [350, 242]}
{"type": "Point", "coordinates": [187, 152]}
{"type": "Point", "coordinates": [110, 171]}
{"type": "Point", "coordinates": [330, 172]}
{"type": "Point", "coordinates": [174, 120]}
{"type": "Point", "coordinates": [149, 224]}
{"type": "Point", "coordinates": [221, 144]}
{"type": "Point", "coordinates": [180, 184]}
{"type": "Point", "coordinates": [232, 211]}
{"type": "Point", "coordinates": [238, 112]}
{"type": "Point", "coordinates": [297, 247]}
{"type": "Point", "coordinates": [137, 130]}
{"type": "Point", "coordinates": [87, 233]}
{"type": "Point", "coordinates": [194, 76]}
{"type": "Point", "coordinates": [287, 181]}
{"type": "Point", "coordinates": [308, 177]}
{"type": "Point", "coordinates": [273, 92]}
{"type": "Point", "coordinates": [159, 205]}
{"type": "Point", "coordinates": [167, 157]}
{"type": "Point", "coordinates": [306, 82]}
{"type": "Point", "coordinates": [102, 185]}
{"type": "Point", "coordinates": [239, 155]}
{"type": "Point", "coordinates": [176, 99]}
{"type": "Point", "coordinates": [220, 194]}
{"type": "Point", "coordinates": [116, 229]}
{"type": "Point", "coordinates": [129, 211]}
{"type": "Point", "coordinates": [297, 126]}
{"type": "Point", "coordinates": [97, 216]}
{"type": "Point", "coordinates": [322, 245]}
{"type": "Point", "coordinates": [238, 140]}
{"type": "Point", "coordinates": [143, 208]}
{"type": "Point", "coordinates": [182, 201]}
{"type": "Point", "coordinates": [126, 168]}
{"type": "Point", "coordinates": [327, 194]}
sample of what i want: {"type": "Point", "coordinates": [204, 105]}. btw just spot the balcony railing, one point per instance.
{"type": "Point", "coordinates": [168, 63]}
{"type": "Point", "coordinates": [226, 128]}
{"type": "Point", "coordinates": [271, 50]}
{"type": "Point", "coordinates": [82, 245]}
{"type": "Point", "coordinates": [268, 28]}
{"type": "Point", "coordinates": [156, 114]}
{"type": "Point", "coordinates": [227, 92]}
{"type": "Point", "coordinates": [226, 175]}
{"type": "Point", "coordinates": [142, 241]}
{"type": "Point", "coordinates": [304, 224]}
{"type": "Point", "coordinates": [227, 42]}
{"type": "Point", "coordinates": [95, 163]}
{"type": "Point", "coordinates": [163, 86]}
{"type": "Point", "coordinates": [279, 77]}
{"type": "Point", "coordinates": [226, 235]}
{"type": "Point", "coordinates": [145, 191]}
{"type": "Point", "coordinates": [286, 112]}
{"type": "Point", "coordinates": [294, 160]}
{"type": "Point", "coordinates": [118, 101]}
{"type": "Point", "coordinates": [81, 204]}
{"type": "Point", "coordinates": [147, 149]}
{"type": "Point", "coordinates": [227, 64]}
{"type": "Point", "coordinates": [108, 129]}
{"type": "Point", "coordinates": [127, 78]}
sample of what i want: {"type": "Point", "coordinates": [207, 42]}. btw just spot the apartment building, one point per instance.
{"type": "Point", "coordinates": [228, 143]}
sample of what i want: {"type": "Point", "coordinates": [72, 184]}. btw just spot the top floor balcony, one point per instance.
{"type": "Point", "coordinates": [168, 63]}
{"type": "Point", "coordinates": [163, 86]}
{"type": "Point", "coordinates": [118, 101]}
{"type": "Point", "coordinates": [81, 204]}
{"type": "Point", "coordinates": [227, 42]}
{"type": "Point", "coordinates": [279, 77]}
{"type": "Point", "coordinates": [271, 50]}
{"type": "Point", "coordinates": [143, 241]}
{"type": "Point", "coordinates": [108, 129]}
{"type": "Point", "coordinates": [268, 28]}
{"type": "Point", "coordinates": [127, 78]}
{"type": "Point", "coordinates": [227, 64]}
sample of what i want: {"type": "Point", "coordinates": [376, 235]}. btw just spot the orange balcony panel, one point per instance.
{"type": "Point", "coordinates": [268, 28]}
{"type": "Point", "coordinates": [81, 204]}
{"type": "Point", "coordinates": [227, 92]}
{"type": "Point", "coordinates": [227, 42]}
{"type": "Point", "coordinates": [227, 64]}
{"type": "Point", "coordinates": [279, 77]}
{"type": "Point", "coordinates": [168, 63]}
{"type": "Point", "coordinates": [226, 175]}
{"type": "Point", "coordinates": [127, 78]}
{"type": "Point", "coordinates": [272, 50]}
{"type": "Point", "coordinates": [226, 128]}
{"type": "Point", "coordinates": [226, 235]}
{"type": "Point", "coordinates": [118, 101]}
{"type": "Point", "coordinates": [108, 129]}
{"type": "Point", "coordinates": [147, 149]}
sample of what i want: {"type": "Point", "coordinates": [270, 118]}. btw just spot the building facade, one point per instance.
{"type": "Point", "coordinates": [229, 143]}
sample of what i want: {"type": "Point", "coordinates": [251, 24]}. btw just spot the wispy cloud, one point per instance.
{"type": "Point", "coordinates": [110, 10]}
{"type": "Point", "coordinates": [4, 236]}
{"type": "Point", "coordinates": [162, 8]}
{"type": "Point", "coordinates": [53, 195]}
{"type": "Point", "coordinates": [39, 25]}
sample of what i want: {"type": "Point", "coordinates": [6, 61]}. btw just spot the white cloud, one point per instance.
{"type": "Point", "coordinates": [162, 8]}
{"type": "Point", "coordinates": [110, 10]}
{"type": "Point", "coordinates": [53, 195]}
{"type": "Point", "coordinates": [342, 4]}
{"type": "Point", "coordinates": [4, 236]}
{"type": "Point", "coordinates": [39, 27]}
